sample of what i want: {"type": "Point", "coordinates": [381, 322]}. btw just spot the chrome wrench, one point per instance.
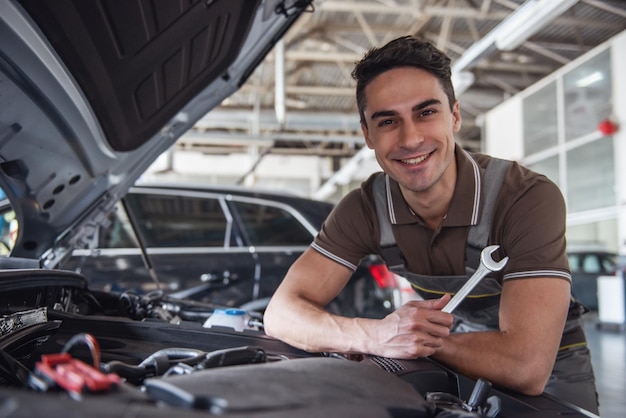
{"type": "Point", "coordinates": [487, 265]}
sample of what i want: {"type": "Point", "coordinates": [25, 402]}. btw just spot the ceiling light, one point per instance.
{"type": "Point", "coordinates": [589, 79]}
{"type": "Point", "coordinates": [527, 20]}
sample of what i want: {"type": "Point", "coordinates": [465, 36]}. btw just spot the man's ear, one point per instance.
{"type": "Point", "coordinates": [366, 135]}
{"type": "Point", "coordinates": [456, 117]}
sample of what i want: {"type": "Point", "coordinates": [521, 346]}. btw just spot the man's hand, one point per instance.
{"type": "Point", "coordinates": [415, 330]}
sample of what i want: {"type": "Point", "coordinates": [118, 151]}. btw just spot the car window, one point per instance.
{"type": "Point", "coordinates": [118, 233]}
{"type": "Point", "coordinates": [609, 263]}
{"type": "Point", "coordinates": [178, 221]}
{"type": "Point", "coordinates": [594, 263]}
{"type": "Point", "coordinates": [8, 230]}
{"type": "Point", "coordinates": [574, 262]}
{"type": "Point", "coordinates": [591, 264]}
{"type": "Point", "coordinates": [270, 225]}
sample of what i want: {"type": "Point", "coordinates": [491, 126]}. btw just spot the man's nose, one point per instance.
{"type": "Point", "coordinates": [411, 134]}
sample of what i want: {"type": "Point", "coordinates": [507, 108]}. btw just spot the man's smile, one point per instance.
{"type": "Point", "coordinates": [416, 160]}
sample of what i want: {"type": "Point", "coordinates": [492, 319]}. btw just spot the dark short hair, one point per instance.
{"type": "Point", "coordinates": [406, 51]}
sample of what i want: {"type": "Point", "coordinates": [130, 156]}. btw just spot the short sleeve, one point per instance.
{"type": "Point", "coordinates": [532, 228]}
{"type": "Point", "coordinates": [350, 232]}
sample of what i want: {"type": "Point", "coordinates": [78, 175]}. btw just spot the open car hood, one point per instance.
{"type": "Point", "coordinates": [92, 92]}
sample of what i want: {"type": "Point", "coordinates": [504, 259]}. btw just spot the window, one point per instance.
{"type": "Point", "coordinates": [587, 96]}
{"type": "Point", "coordinates": [178, 221]}
{"type": "Point", "coordinates": [591, 264]}
{"type": "Point", "coordinates": [540, 120]}
{"type": "Point", "coordinates": [119, 232]}
{"type": "Point", "coordinates": [548, 167]}
{"type": "Point", "coordinates": [271, 225]}
{"type": "Point", "coordinates": [8, 231]}
{"type": "Point", "coordinates": [591, 176]}
{"type": "Point", "coordinates": [574, 262]}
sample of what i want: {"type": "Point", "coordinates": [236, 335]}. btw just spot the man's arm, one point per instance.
{"type": "Point", "coordinates": [521, 355]}
{"type": "Point", "coordinates": [296, 315]}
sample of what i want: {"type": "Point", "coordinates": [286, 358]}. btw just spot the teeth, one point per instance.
{"type": "Point", "coordinates": [415, 160]}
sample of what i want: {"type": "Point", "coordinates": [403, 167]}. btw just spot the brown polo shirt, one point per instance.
{"type": "Point", "coordinates": [528, 225]}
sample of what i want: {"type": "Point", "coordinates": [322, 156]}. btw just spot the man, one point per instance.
{"type": "Point", "coordinates": [525, 336]}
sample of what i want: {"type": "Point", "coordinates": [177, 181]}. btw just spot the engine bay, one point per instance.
{"type": "Point", "coordinates": [64, 347]}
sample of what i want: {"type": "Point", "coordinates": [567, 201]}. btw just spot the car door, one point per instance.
{"type": "Point", "coordinates": [276, 234]}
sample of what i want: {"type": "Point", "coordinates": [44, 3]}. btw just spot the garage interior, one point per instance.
{"type": "Point", "coordinates": [300, 100]}
{"type": "Point", "coordinates": [293, 125]}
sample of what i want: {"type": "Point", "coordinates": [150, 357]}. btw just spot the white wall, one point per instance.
{"type": "Point", "coordinates": [503, 130]}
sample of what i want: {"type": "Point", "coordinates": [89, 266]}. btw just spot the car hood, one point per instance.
{"type": "Point", "coordinates": [92, 92]}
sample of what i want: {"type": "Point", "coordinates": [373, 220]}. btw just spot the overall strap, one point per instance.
{"type": "Point", "coordinates": [390, 252]}
{"type": "Point", "coordinates": [478, 236]}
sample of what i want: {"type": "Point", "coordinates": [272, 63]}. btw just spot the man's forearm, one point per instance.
{"type": "Point", "coordinates": [313, 329]}
{"type": "Point", "coordinates": [498, 358]}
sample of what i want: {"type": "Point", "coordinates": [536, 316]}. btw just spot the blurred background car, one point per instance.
{"type": "Point", "coordinates": [587, 265]}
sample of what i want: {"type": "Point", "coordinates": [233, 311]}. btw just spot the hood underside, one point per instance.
{"type": "Point", "coordinates": [92, 92]}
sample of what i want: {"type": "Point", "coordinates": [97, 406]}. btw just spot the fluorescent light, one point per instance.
{"type": "Point", "coordinates": [589, 79]}
{"type": "Point", "coordinates": [527, 20]}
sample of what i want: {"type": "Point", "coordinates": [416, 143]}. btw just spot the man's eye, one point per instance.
{"type": "Point", "coordinates": [427, 112]}
{"type": "Point", "coordinates": [385, 122]}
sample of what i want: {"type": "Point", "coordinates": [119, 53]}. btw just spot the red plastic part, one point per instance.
{"type": "Point", "coordinates": [74, 375]}
{"type": "Point", "coordinates": [384, 278]}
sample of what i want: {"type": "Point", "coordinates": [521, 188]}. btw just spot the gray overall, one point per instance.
{"type": "Point", "coordinates": [572, 377]}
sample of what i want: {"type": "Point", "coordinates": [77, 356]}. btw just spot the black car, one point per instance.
{"type": "Point", "coordinates": [91, 93]}
{"type": "Point", "coordinates": [587, 265]}
{"type": "Point", "coordinates": [228, 246]}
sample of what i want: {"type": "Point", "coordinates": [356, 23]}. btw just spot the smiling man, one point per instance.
{"type": "Point", "coordinates": [428, 214]}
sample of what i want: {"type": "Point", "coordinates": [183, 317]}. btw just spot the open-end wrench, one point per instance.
{"type": "Point", "coordinates": [487, 265]}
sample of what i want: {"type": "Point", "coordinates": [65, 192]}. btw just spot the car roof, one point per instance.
{"type": "Point", "coordinates": [93, 92]}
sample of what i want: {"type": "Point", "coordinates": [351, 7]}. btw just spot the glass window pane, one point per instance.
{"type": "Point", "coordinates": [540, 120]}
{"type": "Point", "coordinates": [548, 167]}
{"type": "Point", "coordinates": [118, 233]}
{"type": "Point", "coordinates": [178, 221]}
{"type": "Point", "coordinates": [587, 96]}
{"type": "Point", "coordinates": [574, 262]}
{"type": "Point", "coordinates": [8, 230]}
{"type": "Point", "coordinates": [271, 226]}
{"type": "Point", "coordinates": [591, 176]}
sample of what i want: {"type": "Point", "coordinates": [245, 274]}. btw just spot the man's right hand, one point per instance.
{"type": "Point", "coordinates": [414, 330]}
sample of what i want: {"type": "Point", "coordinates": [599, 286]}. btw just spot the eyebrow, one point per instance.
{"type": "Point", "coordinates": [417, 107]}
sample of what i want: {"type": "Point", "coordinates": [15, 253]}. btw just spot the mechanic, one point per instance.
{"type": "Point", "coordinates": [520, 327]}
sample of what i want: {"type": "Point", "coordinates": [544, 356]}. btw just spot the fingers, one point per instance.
{"type": "Point", "coordinates": [437, 304]}
{"type": "Point", "coordinates": [417, 329]}
{"type": "Point", "coordinates": [441, 302]}
{"type": "Point", "coordinates": [429, 310]}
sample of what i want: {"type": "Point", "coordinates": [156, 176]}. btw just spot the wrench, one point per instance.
{"type": "Point", "coordinates": [487, 265]}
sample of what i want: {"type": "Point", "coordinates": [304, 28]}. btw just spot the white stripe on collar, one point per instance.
{"type": "Point", "coordinates": [477, 188]}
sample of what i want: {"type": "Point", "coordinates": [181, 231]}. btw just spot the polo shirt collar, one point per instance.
{"type": "Point", "coordinates": [465, 206]}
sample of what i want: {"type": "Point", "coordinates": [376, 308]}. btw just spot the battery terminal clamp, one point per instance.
{"type": "Point", "coordinates": [74, 375]}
